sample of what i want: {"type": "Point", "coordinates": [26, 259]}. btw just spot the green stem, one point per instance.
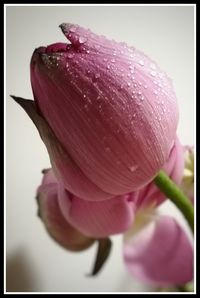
{"type": "Point", "coordinates": [170, 189]}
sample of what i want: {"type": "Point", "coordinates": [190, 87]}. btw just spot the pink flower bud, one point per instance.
{"type": "Point", "coordinates": [111, 107]}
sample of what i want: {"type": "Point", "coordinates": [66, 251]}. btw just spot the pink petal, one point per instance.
{"type": "Point", "coordinates": [161, 254]}
{"type": "Point", "coordinates": [111, 107]}
{"type": "Point", "coordinates": [97, 219]}
{"type": "Point", "coordinates": [173, 167]}
{"type": "Point", "coordinates": [64, 167]}
{"type": "Point", "coordinates": [58, 228]}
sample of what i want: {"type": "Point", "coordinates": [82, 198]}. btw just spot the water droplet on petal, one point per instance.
{"type": "Point", "coordinates": [87, 51]}
{"type": "Point", "coordinates": [82, 39]}
{"type": "Point", "coordinates": [133, 168]}
{"type": "Point", "coordinates": [108, 66]}
{"type": "Point", "coordinates": [141, 62]}
{"type": "Point", "coordinates": [153, 73]}
{"type": "Point", "coordinates": [73, 29]}
{"type": "Point", "coordinates": [155, 92]}
{"type": "Point", "coordinates": [129, 84]}
{"type": "Point", "coordinates": [97, 75]}
{"type": "Point", "coordinates": [70, 55]}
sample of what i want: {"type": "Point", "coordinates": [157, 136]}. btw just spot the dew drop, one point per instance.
{"type": "Point", "coordinates": [145, 86]}
{"type": "Point", "coordinates": [97, 76]}
{"type": "Point", "coordinates": [112, 60]}
{"type": "Point", "coordinates": [87, 51]}
{"type": "Point", "coordinates": [70, 55]}
{"type": "Point", "coordinates": [72, 29]}
{"type": "Point", "coordinates": [153, 73]}
{"type": "Point", "coordinates": [141, 62]}
{"type": "Point", "coordinates": [84, 95]}
{"type": "Point", "coordinates": [139, 92]}
{"type": "Point", "coordinates": [108, 66]}
{"type": "Point", "coordinates": [67, 65]}
{"type": "Point", "coordinates": [82, 39]}
{"type": "Point", "coordinates": [128, 84]}
{"type": "Point", "coordinates": [155, 92]}
{"type": "Point", "coordinates": [133, 168]}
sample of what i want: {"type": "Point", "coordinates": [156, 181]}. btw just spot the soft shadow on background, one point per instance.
{"type": "Point", "coordinates": [21, 275]}
{"type": "Point", "coordinates": [34, 261]}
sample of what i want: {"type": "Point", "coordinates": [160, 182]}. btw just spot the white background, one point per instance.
{"type": "Point", "coordinates": [34, 261]}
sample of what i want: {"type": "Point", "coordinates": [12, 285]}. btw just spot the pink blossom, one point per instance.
{"type": "Point", "coordinates": [110, 108]}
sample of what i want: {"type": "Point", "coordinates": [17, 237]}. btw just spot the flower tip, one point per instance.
{"type": "Point", "coordinates": [65, 27]}
{"type": "Point", "coordinates": [68, 28]}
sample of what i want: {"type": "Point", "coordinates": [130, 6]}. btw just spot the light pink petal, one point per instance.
{"type": "Point", "coordinates": [173, 167]}
{"type": "Point", "coordinates": [64, 167]}
{"type": "Point", "coordinates": [111, 107]}
{"type": "Point", "coordinates": [58, 228]}
{"type": "Point", "coordinates": [161, 254]}
{"type": "Point", "coordinates": [97, 219]}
